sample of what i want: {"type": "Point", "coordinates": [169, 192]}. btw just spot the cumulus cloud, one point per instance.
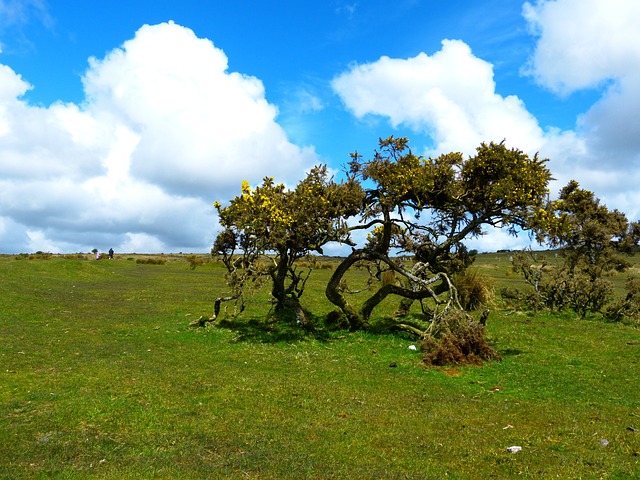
{"type": "Point", "coordinates": [583, 43]}
{"type": "Point", "coordinates": [593, 44]}
{"type": "Point", "coordinates": [204, 127]}
{"type": "Point", "coordinates": [449, 95]}
{"type": "Point", "coordinates": [498, 239]}
{"type": "Point", "coordinates": [165, 129]}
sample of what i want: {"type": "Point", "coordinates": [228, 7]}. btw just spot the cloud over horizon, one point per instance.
{"type": "Point", "coordinates": [164, 131]}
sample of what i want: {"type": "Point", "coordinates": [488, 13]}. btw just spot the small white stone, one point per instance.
{"type": "Point", "coordinates": [413, 347]}
{"type": "Point", "coordinates": [514, 449]}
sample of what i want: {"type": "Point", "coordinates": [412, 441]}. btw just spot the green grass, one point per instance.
{"type": "Point", "coordinates": [101, 377]}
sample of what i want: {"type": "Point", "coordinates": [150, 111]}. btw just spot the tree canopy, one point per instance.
{"type": "Point", "coordinates": [591, 240]}
{"type": "Point", "coordinates": [426, 207]}
{"type": "Point", "coordinates": [418, 213]}
{"type": "Point", "coordinates": [267, 229]}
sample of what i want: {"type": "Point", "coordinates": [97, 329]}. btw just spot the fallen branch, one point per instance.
{"type": "Point", "coordinates": [202, 321]}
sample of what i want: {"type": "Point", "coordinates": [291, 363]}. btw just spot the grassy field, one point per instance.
{"type": "Point", "coordinates": [101, 377]}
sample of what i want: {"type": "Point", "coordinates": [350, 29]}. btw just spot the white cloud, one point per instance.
{"type": "Point", "coordinates": [12, 85]}
{"type": "Point", "coordinates": [141, 242]}
{"type": "Point", "coordinates": [583, 43]}
{"type": "Point", "coordinates": [593, 44]}
{"type": "Point", "coordinates": [308, 102]}
{"type": "Point", "coordinates": [347, 9]}
{"type": "Point", "coordinates": [586, 44]}
{"type": "Point", "coordinates": [450, 96]}
{"type": "Point", "coordinates": [498, 239]}
{"type": "Point", "coordinates": [164, 131]}
{"type": "Point", "coordinates": [204, 128]}
{"type": "Point", "coordinates": [39, 242]}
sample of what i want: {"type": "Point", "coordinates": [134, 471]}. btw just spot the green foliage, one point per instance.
{"type": "Point", "coordinates": [593, 241]}
{"type": "Point", "coordinates": [151, 261]}
{"type": "Point", "coordinates": [195, 261]}
{"type": "Point", "coordinates": [76, 256]}
{"type": "Point", "coordinates": [269, 229]}
{"type": "Point", "coordinates": [34, 256]}
{"type": "Point", "coordinates": [475, 290]}
{"type": "Point", "coordinates": [626, 308]}
{"type": "Point", "coordinates": [456, 198]}
{"type": "Point", "coordinates": [420, 211]}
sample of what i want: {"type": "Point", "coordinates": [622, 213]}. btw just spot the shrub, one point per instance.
{"type": "Point", "coordinates": [336, 320]}
{"type": "Point", "coordinates": [521, 299]}
{"type": "Point", "coordinates": [36, 256]}
{"type": "Point", "coordinates": [475, 290]}
{"type": "Point", "coordinates": [151, 261]}
{"type": "Point", "coordinates": [315, 265]}
{"type": "Point", "coordinates": [458, 340]}
{"type": "Point", "coordinates": [625, 308]}
{"type": "Point", "coordinates": [195, 261]}
{"type": "Point", "coordinates": [75, 256]}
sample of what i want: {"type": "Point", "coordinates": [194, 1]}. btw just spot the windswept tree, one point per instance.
{"type": "Point", "coordinates": [592, 241]}
{"type": "Point", "coordinates": [267, 229]}
{"type": "Point", "coordinates": [423, 209]}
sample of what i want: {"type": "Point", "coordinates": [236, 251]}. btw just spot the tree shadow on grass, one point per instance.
{"type": "Point", "coordinates": [274, 329]}
{"type": "Point", "coordinates": [282, 327]}
{"type": "Point", "coordinates": [510, 352]}
{"type": "Point", "coordinates": [390, 326]}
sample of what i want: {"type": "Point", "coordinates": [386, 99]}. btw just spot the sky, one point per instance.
{"type": "Point", "coordinates": [121, 122]}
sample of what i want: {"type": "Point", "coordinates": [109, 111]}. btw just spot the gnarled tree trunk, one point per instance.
{"type": "Point", "coordinates": [359, 319]}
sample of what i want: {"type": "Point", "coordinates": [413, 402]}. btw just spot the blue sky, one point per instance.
{"type": "Point", "coordinates": [122, 122]}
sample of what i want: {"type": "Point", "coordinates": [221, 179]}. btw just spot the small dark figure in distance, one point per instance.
{"type": "Point", "coordinates": [111, 254]}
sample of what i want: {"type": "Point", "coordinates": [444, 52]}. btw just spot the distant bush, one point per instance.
{"type": "Point", "coordinates": [195, 261]}
{"type": "Point", "coordinates": [34, 256]}
{"type": "Point", "coordinates": [627, 308]}
{"type": "Point", "coordinates": [516, 298]}
{"type": "Point", "coordinates": [316, 265]}
{"type": "Point", "coordinates": [388, 277]}
{"type": "Point", "coordinates": [75, 256]}
{"type": "Point", "coordinates": [151, 261]}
